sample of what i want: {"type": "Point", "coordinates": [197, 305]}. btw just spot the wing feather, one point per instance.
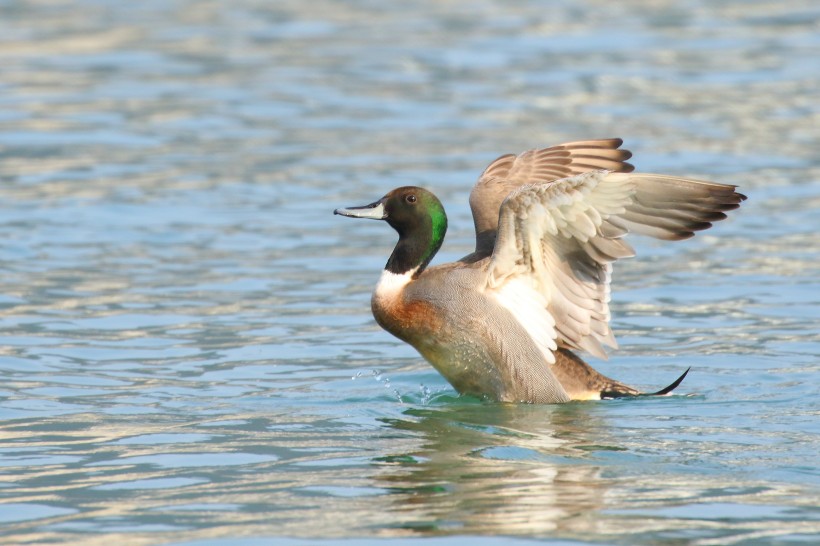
{"type": "Point", "coordinates": [561, 238]}
{"type": "Point", "coordinates": [509, 172]}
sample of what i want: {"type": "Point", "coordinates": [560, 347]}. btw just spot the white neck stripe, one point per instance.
{"type": "Point", "coordinates": [391, 284]}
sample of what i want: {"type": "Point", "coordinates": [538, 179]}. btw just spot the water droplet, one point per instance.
{"type": "Point", "coordinates": [397, 394]}
{"type": "Point", "coordinates": [426, 394]}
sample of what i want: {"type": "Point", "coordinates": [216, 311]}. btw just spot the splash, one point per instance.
{"type": "Point", "coordinates": [384, 380]}
{"type": "Point", "coordinates": [426, 394]}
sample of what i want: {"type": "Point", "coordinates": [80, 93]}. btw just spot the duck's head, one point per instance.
{"type": "Point", "coordinates": [419, 218]}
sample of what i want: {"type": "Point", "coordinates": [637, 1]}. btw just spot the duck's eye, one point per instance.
{"type": "Point", "coordinates": [410, 198]}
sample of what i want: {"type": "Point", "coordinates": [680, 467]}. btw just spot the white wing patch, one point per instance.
{"type": "Point", "coordinates": [529, 308]}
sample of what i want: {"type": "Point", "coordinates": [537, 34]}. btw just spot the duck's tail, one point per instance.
{"type": "Point", "coordinates": [582, 382]}
{"type": "Point", "coordinates": [618, 393]}
{"type": "Point", "coordinates": [670, 388]}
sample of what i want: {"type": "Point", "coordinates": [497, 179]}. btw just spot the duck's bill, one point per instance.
{"type": "Point", "coordinates": [374, 211]}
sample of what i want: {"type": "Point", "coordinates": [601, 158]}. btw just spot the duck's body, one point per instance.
{"type": "Point", "coordinates": [477, 343]}
{"type": "Point", "coordinates": [500, 323]}
{"type": "Point", "coordinates": [467, 335]}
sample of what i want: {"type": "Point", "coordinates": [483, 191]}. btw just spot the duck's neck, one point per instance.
{"type": "Point", "coordinates": [417, 246]}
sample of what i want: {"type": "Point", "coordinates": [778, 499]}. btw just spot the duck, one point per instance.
{"type": "Point", "coordinates": [506, 323]}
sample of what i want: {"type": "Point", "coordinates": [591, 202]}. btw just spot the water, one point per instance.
{"type": "Point", "coordinates": [186, 349]}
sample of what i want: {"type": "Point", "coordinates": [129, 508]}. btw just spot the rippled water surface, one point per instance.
{"type": "Point", "coordinates": [187, 353]}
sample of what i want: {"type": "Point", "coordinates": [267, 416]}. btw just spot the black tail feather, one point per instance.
{"type": "Point", "coordinates": [671, 387]}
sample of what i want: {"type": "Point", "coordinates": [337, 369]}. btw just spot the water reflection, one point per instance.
{"type": "Point", "coordinates": [454, 466]}
{"type": "Point", "coordinates": [500, 469]}
{"type": "Point", "coordinates": [569, 471]}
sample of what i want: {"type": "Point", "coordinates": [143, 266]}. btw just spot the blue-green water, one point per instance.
{"type": "Point", "coordinates": [186, 348]}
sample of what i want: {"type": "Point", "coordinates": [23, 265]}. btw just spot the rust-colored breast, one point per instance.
{"type": "Point", "coordinates": [411, 321]}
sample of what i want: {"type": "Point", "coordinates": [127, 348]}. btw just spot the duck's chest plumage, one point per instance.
{"type": "Point", "coordinates": [399, 309]}
{"type": "Point", "coordinates": [464, 333]}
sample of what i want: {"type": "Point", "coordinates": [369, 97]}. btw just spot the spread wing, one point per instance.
{"type": "Point", "coordinates": [509, 172]}
{"type": "Point", "coordinates": [558, 240]}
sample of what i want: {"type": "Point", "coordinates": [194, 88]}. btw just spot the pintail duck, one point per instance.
{"type": "Point", "coordinates": [504, 321]}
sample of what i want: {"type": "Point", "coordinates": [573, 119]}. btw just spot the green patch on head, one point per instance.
{"type": "Point", "coordinates": [438, 221]}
